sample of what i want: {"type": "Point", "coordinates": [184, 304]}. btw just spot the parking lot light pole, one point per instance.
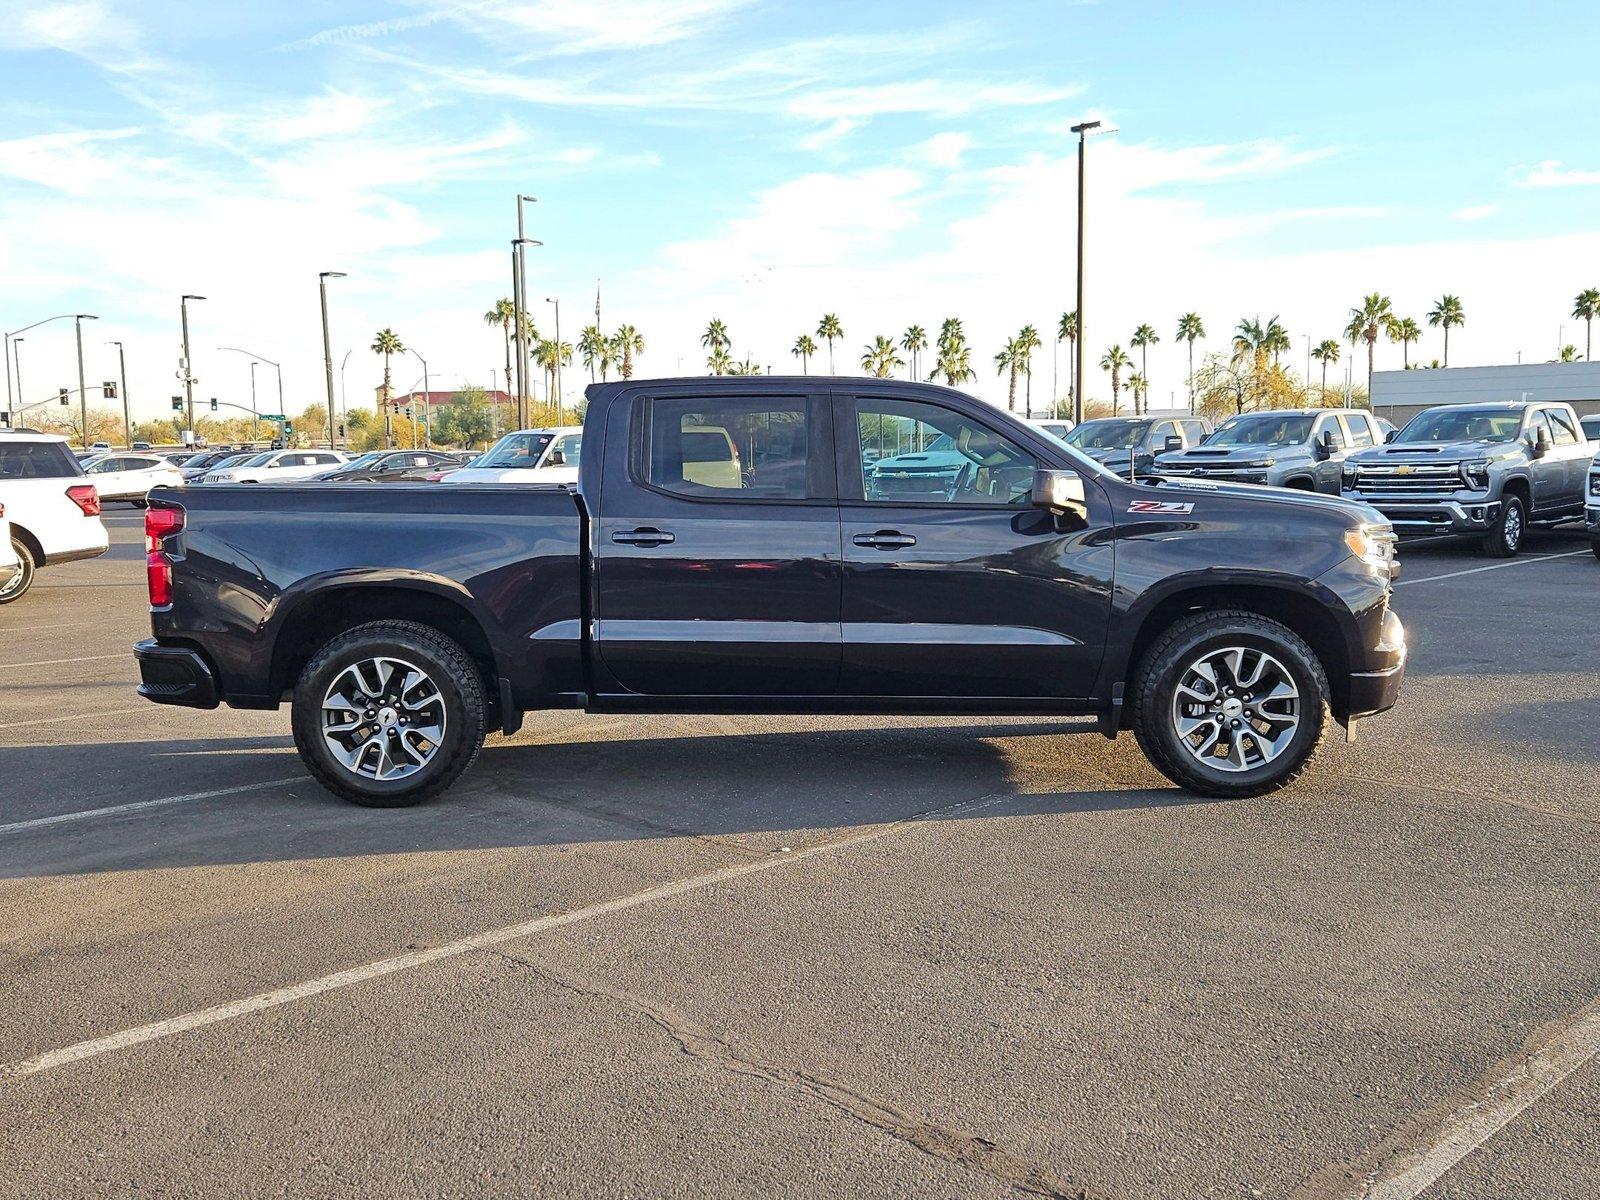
{"type": "Point", "coordinates": [83, 395]}
{"type": "Point", "coordinates": [559, 395]}
{"type": "Point", "coordinates": [127, 412]}
{"type": "Point", "coordinates": [1082, 130]}
{"type": "Point", "coordinates": [427, 425]}
{"type": "Point", "coordinates": [9, 338]}
{"type": "Point", "coordinates": [278, 367]}
{"type": "Point", "coordinates": [519, 290]}
{"type": "Point", "coordinates": [16, 342]}
{"type": "Point", "coordinates": [343, 405]}
{"type": "Point", "coordinates": [188, 363]}
{"type": "Point", "coordinates": [327, 352]}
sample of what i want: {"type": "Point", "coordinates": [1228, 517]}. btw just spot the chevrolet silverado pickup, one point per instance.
{"type": "Point", "coordinates": [1287, 447]}
{"type": "Point", "coordinates": [724, 551]}
{"type": "Point", "coordinates": [1488, 470]}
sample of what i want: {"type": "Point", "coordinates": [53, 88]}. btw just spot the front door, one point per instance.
{"type": "Point", "coordinates": [717, 547]}
{"type": "Point", "coordinates": [954, 585]}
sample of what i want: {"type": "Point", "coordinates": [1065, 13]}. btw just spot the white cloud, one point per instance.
{"type": "Point", "coordinates": [1476, 212]}
{"type": "Point", "coordinates": [91, 29]}
{"type": "Point", "coordinates": [1551, 173]}
{"type": "Point", "coordinates": [943, 150]}
{"type": "Point", "coordinates": [938, 97]}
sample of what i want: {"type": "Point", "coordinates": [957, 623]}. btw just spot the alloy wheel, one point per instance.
{"type": "Point", "coordinates": [1235, 708]}
{"type": "Point", "coordinates": [383, 718]}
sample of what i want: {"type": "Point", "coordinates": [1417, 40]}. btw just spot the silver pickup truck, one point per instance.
{"type": "Point", "coordinates": [1488, 470]}
{"type": "Point", "coordinates": [1298, 448]}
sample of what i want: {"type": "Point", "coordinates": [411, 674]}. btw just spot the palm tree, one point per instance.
{"type": "Point", "coordinates": [955, 357]}
{"type": "Point", "coordinates": [1405, 331]}
{"type": "Point", "coordinates": [503, 314]}
{"type": "Point", "coordinates": [715, 337]}
{"type": "Point", "coordinates": [744, 368]}
{"type": "Point", "coordinates": [1009, 359]}
{"type": "Point", "coordinates": [720, 361]}
{"type": "Point", "coordinates": [1327, 351]}
{"type": "Point", "coordinates": [1586, 307]}
{"type": "Point", "coordinates": [830, 328]}
{"type": "Point", "coordinates": [629, 342]}
{"type": "Point", "coordinates": [608, 355]}
{"type": "Point", "coordinates": [590, 343]}
{"type": "Point", "coordinates": [1114, 360]}
{"type": "Point", "coordinates": [1447, 311]}
{"type": "Point", "coordinates": [386, 342]}
{"type": "Point", "coordinates": [1027, 342]}
{"type": "Point", "coordinates": [1067, 331]}
{"type": "Point", "coordinates": [1143, 338]}
{"type": "Point", "coordinates": [879, 358]}
{"type": "Point", "coordinates": [1365, 323]}
{"type": "Point", "coordinates": [914, 341]}
{"type": "Point", "coordinates": [1275, 339]}
{"type": "Point", "coordinates": [803, 349]}
{"type": "Point", "coordinates": [551, 356]}
{"type": "Point", "coordinates": [1191, 328]}
{"type": "Point", "coordinates": [1140, 387]}
{"type": "Point", "coordinates": [1250, 337]}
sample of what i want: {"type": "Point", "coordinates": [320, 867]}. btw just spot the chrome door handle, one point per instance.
{"type": "Point", "coordinates": [885, 539]}
{"type": "Point", "coordinates": [642, 537]}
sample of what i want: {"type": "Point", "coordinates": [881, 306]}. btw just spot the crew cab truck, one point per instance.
{"type": "Point", "coordinates": [1227, 626]}
{"type": "Point", "coordinates": [1302, 448]}
{"type": "Point", "coordinates": [1486, 470]}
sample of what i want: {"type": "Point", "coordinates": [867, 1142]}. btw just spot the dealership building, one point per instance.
{"type": "Point", "coordinates": [1401, 395]}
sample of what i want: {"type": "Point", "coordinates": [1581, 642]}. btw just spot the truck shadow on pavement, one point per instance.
{"type": "Point", "coordinates": [755, 792]}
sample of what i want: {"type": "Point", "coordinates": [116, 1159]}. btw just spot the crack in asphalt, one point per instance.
{"type": "Point", "coordinates": [956, 1146]}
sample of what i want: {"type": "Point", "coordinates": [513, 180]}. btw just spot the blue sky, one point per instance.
{"type": "Point", "coordinates": [764, 162]}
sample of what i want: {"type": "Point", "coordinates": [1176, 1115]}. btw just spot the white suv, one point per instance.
{"type": "Point", "coordinates": [52, 510]}
{"type": "Point", "coordinates": [527, 456]}
{"type": "Point", "coordinates": [131, 476]}
{"type": "Point", "coordinates": [279, 466]}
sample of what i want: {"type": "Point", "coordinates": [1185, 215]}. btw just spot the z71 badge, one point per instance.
{"type": "Point", "coordinates": [1164, 507]}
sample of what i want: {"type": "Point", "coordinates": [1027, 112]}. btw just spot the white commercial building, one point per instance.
{"type": "Point", "coordinates": [1401, 395]}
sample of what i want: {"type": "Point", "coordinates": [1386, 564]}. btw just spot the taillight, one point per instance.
{"type": "Point", "coordinates": [86, 498]}
{"type": "Point", "coordinates": [160, 524]}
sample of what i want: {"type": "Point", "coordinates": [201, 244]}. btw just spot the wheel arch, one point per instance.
{"type": "Point", "coordinates": [26, 536]}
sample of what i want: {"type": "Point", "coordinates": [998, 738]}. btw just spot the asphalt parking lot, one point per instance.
{"type": "Point", "coordinates": [726, 956]}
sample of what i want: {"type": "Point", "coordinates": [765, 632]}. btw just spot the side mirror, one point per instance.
{"type": "Point", "coordinates": [1390, 436]}
{"type": "Point", "coordinates": [556, 459]}
{"type": "Point", "coordinates": [1060, 491]}
{"type": "Point", "coordinates": [1541, 442]}
{"type": "Point", "coordinates": [1173, 442]}
{"type": "Point", "coordinates": [1330, 442]}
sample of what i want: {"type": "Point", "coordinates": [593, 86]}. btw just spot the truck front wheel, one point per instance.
{"type": "Point", "coordinates": [1230, 704]}
{"type": "Point", "coordinates": [1504, 538]}
{"type": "Point", "coordinates": [389, 714]}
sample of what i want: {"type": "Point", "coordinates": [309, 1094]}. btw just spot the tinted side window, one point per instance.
{"type": "Point", "coordinates": [1358, 433]}
{"type": "Point", "coordinates": [36, 460]}
{"type": "Point", "coordinates": [1561, 426]}
{"type": "Point", "coordinates": [1162, 431]}
{"type": "Point", "coordinates": [748, 449]}
{"type": "Point", "coordinates": [923, 454]}
{"type": "Point", "coordinates": [1194, 432]}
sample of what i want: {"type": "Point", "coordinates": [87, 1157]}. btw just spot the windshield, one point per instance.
{"type": "Point", "coordinates": [255, 460]}
{"type": "Point", "coordinates": [517, 450]}
{"type": "Point", "coordinates": [1107, 434]}
{"type": "Point", "coordinates": [371, 456]}
{"type": "Point", "coordinates": [1463, 425]}
{"type": "Point", "coordinates": [1263, 429]}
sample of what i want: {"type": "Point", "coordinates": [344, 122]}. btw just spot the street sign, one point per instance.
{"type": "Point", "coordinates": [273, 417]}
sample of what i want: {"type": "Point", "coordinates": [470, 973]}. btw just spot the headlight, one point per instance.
{"type": "Point", "coordinates": [1373, 545]}
{"type": "Point", "coordinates": [1476, 473]}
{"type": "Point", "coordinates": [1349, 474]}
{"type": "Point", "coordinates": [1594, 485]}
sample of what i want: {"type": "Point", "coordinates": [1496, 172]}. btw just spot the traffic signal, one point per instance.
{"type": "Point", "coordinates": [109, 389]}
{"type": "Point", "coordinates": [5, 420]}
{"type": "Point", "coordinates": [213, 404]}
{"type": "Point", "coordinates": [177, 404]}
{"type": "Point", "coordinates": [341, 429]}
{"type": "Point", "coordinates": [64, 400]}
{"type": "Point", "coordinates": [287, 429]}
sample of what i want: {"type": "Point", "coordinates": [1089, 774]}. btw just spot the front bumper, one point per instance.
{"type": "Point", "coordinates": [174, 675]}
{"type": "Point", "coordinates": [1412, 517]}
{"type": "Point", "coordinates": [1376, 690]}
{"type": "Point", "coordinates": [1591, 520]}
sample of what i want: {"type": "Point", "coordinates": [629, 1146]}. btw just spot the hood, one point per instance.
{"type": "Point", "coordinates": [1229, 455]}
{"type": "Point", "coordinates": [1354, 510]}
{"type": "Point", "coordinates": [1435, 452]}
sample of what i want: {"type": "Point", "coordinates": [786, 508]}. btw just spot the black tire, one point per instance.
{"type": "Point", "coordinates": [17, 586]}
{"type": "Point", "coordinates": [1504, 538]}
{"type": "Point", "coordinates": [1154, 686]}
{"type": "Point", "coordinates": [459, 684]}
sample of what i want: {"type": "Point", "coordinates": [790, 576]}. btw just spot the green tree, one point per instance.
{"type": "Point", "coordinates": [629, 342]}
{"type": "Point", "coordinates": [1586, 307]}
{"type": "Point", "coordinates": [387, 343]}
{"type": "Point", "coordinates": [1447, 311]}
{"type": "Point", "coordinates": [747, 367]}
{"type": "Point", "coordinates": [1366, 322]}
{"type": "Point", "coordinates": [1275, 338]}
{"type": "Point", "coordinates": [1115, 360]}
{"type": "Point", "coordinates": [715, 337]}
{"type": "Point", "coordinates": [590, 344]}
{"type": "Point", "coordinates": [955, 356]}
{"type": "Point", "coordinates": [914, 341]}
{"type": "Point", "coordinates": [1006, 362]}
{"type": "Point", "coordinates": [467, 420]}
{"type": "Point", "coordinates": [1190, 329]}
{"type": "Point", "coordinates": [719, 361]}
{"type": "Point", "coordinates": [880, 358]}
{"type": "Point", "coordinates": [1067, 331]}
{"type": "Point", "coordinates": [1326, 351]}
{"type": "Point", "coordinates": [803, 349]}
{"type": "Point", "coordinates": [829, 328]}
{"type": "Point", "coordinates": [1405, 331]}
{"type": "Point", "coordinates": [1143, 338]}
{"type": "Point", "coordinates": [503, 314]}
{"type": "Point", "coordinates": [1027, 341]}
{"type": "Point", "coordinates": [551, 356]}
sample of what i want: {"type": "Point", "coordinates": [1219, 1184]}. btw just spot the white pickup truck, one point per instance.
{"type": "Point", "coordinates": [51, 509]}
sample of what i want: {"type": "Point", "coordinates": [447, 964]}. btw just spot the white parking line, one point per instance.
{"type": "Point", "coordinates": [1414, 1160]}
{"type": "Point", "coordinates": [57, 662]}
{"type": "Point", "coordinates": [139, 1034]}
{"type": "Point", "coordinates": [108, 712]}
{"type": "Point", "coordinates": [114, 810]}
{"type": "Point", "coordinates": [1520, 562]}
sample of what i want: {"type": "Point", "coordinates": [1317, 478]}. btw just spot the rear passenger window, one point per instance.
{"type": "Point", "coordinates": [746, 449]}
{"type": "Point", "coordinates": [36, 460]}
{"type": "Point", "coordinates": [1561, 426]}
{"type": "Point", "coordinates": [1359, 433]}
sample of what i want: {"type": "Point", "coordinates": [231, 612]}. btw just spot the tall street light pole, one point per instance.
{"type": "Point", "coordinates": [1082, 130]}
{"type": "Point", "coordinates": [255, 413]}
{"type": "Point", "coordinates": [127, 411]}
{"type": "Point", "coordinates": [343, 406]}
{"type": "Point", "coordinates": [427, 427]}
{"type": "Point", "coordinates": [17, 343]}
{"type": "Point", "coordinates": [83, 397]}
{"type": "Point", "coordinates": [520, 290]}
{"type": "Point", "coordinates": [278, 367]}
{"type": "Point", "coordinates": [559, 395]}
{"type": "Point", "coordinates": [327, 352]}
{"type": "Point", "coordinates": [9, 338]}
{"type": "Point", "coordinates": [188, 363]}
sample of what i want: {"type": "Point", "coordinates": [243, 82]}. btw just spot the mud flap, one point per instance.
{"type": "Point", "coordinates": [510, 714]}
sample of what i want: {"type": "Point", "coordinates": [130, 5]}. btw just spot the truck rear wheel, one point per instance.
{"type": "Point", "coordinates": [19, 582]}
{"type": "Point", "coordinates": [1230, 704]}
{"type": "Point", "coordinates": [1504, 538]}
{"type": "Point", "coordinates": [389, 714]}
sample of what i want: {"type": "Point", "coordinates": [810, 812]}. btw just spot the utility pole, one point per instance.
{"type": "Point", "coordinates": [520, 302]}
{"type": "Point", "coordinates": [427, 424]}
{"type": "Point", "coordinates": [344, 406]}
{"type": "Point", "coordinates": [327, 353]}
{"type": "Point", "coordinates": [188, 364]}
{"type": "Point", "coordinates": [83, 397]}
{"type": "Point", "coordinates": [1082, 130]}
{"type": "Point", "coordinates": [254, 411]}
{"type": "Point", "coordinates": [559, 395]}
{"type": "Point", "coordinates": [127, 412]}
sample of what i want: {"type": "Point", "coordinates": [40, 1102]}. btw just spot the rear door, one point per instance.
{"type": "Point", "coordinates": [1549, 474]}
{"type": "Point", "coordinates": [717, 545]}
{"type": "Point", "coordinates": [972, 593]}
{"type": "Point", "coordinates": [1568, 445]}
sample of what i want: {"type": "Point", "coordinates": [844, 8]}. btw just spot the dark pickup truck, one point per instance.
{"type": "Point", "coordinates": [723, 552]}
